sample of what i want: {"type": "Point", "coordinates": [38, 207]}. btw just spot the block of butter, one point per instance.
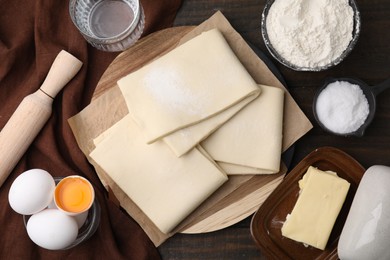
{"type": "Point", "coordinates": [319, 203]}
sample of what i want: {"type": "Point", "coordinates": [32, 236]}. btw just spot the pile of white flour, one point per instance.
{"type": "Point", "coordinates": [310, 33]}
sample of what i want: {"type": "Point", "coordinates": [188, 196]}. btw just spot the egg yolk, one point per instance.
{"type": "Point", "coordinates": [73, 195]}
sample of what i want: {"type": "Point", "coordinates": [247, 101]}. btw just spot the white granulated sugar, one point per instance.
{"type": "Point", "coordinates": [342, 107]}
{"type": "Point", "coordinates": [168, 87]}
{"type": "Point", "coordinates": [310, 33]}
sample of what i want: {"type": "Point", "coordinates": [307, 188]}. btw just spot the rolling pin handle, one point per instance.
{"type": "Point", "coordinates": [63, 69]}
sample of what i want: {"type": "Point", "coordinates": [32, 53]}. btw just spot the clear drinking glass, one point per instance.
{"type": "Point", "coordinates": [108, 25]}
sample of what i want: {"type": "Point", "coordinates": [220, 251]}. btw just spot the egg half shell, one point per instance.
{"type": "Point", "coordinates": [52, 229]}
{"type": "Point", "coordinates": [80, 218]}
{"type": "Point", "coordinates": [31, 191]}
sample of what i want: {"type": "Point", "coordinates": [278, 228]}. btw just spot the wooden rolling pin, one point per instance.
{"type": "Point", "coordinates": [33, 112]}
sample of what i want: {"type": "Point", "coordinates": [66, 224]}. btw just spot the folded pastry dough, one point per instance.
{"type": "Point", "coordinates": [234, 169]}
{"type": "Point", "coordinates": [253, 137]}
{"type": "Point", "coordinates": [195, 88]}
{"type": "Point", "coordinates": [166, 188]}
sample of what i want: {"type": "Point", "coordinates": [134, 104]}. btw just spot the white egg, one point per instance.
{"type": "Point", "coordinates": [31, 191]}
{"type": "Point", "coordinates": [52, 229]}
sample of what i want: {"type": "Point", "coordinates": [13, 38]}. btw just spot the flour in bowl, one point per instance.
{"type": "Point", "coordinates": [310, 33]}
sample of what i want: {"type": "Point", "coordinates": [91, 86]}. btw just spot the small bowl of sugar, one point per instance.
{"type": "Point", "coordinates": [346, 106]}
{"type": "Point", "coordinates": [310, 35]}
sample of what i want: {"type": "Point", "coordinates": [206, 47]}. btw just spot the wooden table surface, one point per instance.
{"type": "Point", "coordinates": [369, 61]}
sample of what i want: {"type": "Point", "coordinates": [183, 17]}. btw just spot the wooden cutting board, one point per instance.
{"type": "Point", "coordinates": [250, 192]}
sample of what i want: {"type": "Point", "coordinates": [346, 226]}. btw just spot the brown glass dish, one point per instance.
{"type": "Point", "coordinates": [268, 220]}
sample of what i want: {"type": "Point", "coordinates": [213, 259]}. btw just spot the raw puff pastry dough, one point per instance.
{"type": "Point", "coordinates": [253, 137]}
{"type": "Point", "coordinates": [194, 88]}
{"type": "Point", "coordinates": [166, 188]}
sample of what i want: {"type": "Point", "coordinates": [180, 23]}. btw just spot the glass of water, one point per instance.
{"type": "Point", "coordinates": [108, 25]}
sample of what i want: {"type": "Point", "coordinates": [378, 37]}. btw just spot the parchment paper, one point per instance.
{"type": "Point", "coordinates": [236, 199]}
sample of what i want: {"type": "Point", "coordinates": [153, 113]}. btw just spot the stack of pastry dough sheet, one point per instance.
{"type": "Point", "coordinates": [165, 187]}
{"type": "Point", "coordinates": [251, 141]}
{"type": "Point", "coordinates": [185, 95]}
{"type": "Point", "coordinates": [197, 92]}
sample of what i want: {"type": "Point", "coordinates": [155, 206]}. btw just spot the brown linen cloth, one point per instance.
{"type": "Point", "coordinates": [31, 35]}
